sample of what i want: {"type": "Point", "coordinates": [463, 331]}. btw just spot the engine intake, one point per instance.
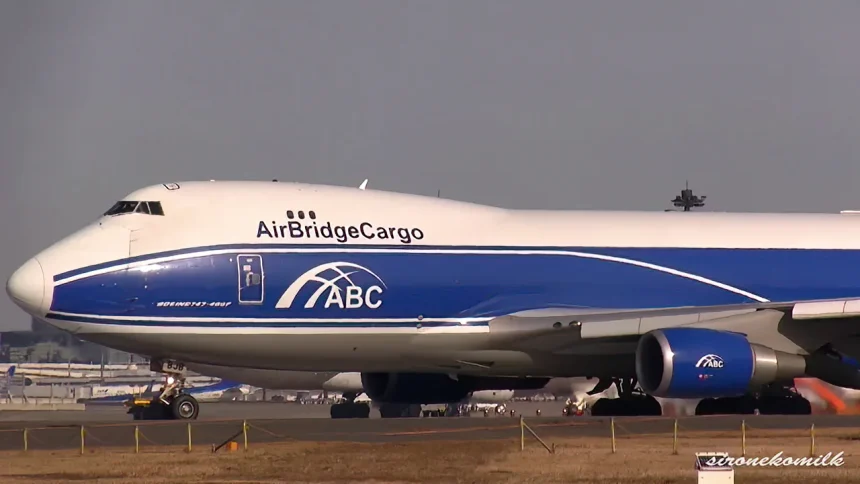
{"type": "Point", "coordinates": [702, 363]}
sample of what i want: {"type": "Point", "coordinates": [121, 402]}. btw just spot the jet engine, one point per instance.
{"type": "Point", "coordinates": [430, 388]}
{"type": "Point", "coordinates": [703, 363]}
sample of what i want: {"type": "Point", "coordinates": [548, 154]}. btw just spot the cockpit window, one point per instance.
{"type": "Point", "coordinates": [122, 207]}
{"type": "Point", "coordinates": [128, 206]}
{"type": "Point", "coordinates": [155, 208]}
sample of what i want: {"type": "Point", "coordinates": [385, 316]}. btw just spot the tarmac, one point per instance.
{"type": "Point", "coordinates": [109, 426]}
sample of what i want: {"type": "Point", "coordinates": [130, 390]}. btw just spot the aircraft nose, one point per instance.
{"type": "Point", "coordinates": [26, 287]}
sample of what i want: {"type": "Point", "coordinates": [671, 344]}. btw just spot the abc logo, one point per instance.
{"type": "Point", "coordinates": [355, 298]}
{"type": "Point", "coordinates": [710, 361]}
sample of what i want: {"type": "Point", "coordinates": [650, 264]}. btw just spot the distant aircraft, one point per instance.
{"type": "Point", "coordinates": [432, 299]}
{"type": "Point", "coordinates": [121, 393]}
{"type": "Point", "coordinates": [6, 382]}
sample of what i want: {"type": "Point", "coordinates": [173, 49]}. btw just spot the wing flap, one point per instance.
{"type": "Point", "coordinates": [846, 308]}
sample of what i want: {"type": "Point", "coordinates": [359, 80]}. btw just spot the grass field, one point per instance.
{"type": "Point", "coordinates": [638, 459]}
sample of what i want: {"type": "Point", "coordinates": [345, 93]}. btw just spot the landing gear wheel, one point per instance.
{"type": "Point", "coordinates": [784, 406]}
{"type": "Point", "coordinates": [396, 410]}
{"type": "Point", "coordinates": [636, 405]}
{"type": "Point", "coordinates": [184, 407]}
{"type": "Point", "coordinates": [350, 410]}
{"type": "Point", "coordinates": [743, 405]}
{"type": "Point", "coordinates": [707, 406]}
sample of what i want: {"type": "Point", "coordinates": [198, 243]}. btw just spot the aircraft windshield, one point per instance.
{"type": "Point", "coordinates": [129, 206]}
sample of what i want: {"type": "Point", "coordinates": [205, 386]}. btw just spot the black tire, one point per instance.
{"type": "Point", "coordinates": [651, 407]}
{"type": "Point", "coordinates": [743, 405]}
{"type": "Point", "coordinates": [398, 410]}
{"type": "Point", "coordinates": [350, 410]}
{"type": "Point", "coordinates": [362, 410]}
{"type": "Point", "coordinates": [604, 407]}
{"type": "Point", "coordinates": [340, 410]}
{"type": "Point", "coordinates": [627, 407]}
{"type": "Point", "coordinates": [184, 407]}
{"type": "Point", "coordinates": [784, 406]}
{"type": "Point", "coordinates": [705, 407]}
{"type": "Point", "coordinates": [802, 406]}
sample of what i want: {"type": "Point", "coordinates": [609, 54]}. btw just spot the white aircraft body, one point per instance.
{"type": "Point", "coordinates": [433, 299]}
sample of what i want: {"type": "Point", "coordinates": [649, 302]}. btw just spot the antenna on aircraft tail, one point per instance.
{"type": "Point", "coordinates": [363, 184]}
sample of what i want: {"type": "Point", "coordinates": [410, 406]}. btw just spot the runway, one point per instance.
{"type": "Point", "coordinates": [108, 426]}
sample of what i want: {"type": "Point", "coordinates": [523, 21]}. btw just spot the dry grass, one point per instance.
{"type": "Point", "coordinates": [639, 459]}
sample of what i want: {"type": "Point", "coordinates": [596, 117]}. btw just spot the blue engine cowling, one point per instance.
{"type": "Point", "coordinates": [703, 363]}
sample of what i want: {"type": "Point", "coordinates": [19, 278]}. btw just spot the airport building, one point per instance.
{"type": "Point", "coordinates": [47, 344]}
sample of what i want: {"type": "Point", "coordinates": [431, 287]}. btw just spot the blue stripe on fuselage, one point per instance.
{"type": "Point", "coordinates": [197, 323]}
{"type": "Point", "coordinates": [486, 281]}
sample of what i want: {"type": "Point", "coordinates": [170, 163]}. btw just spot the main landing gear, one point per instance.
{"type": "Point", "coordinates": [399, 410]}
{"type": "Point", "coordinates": [630, 402]}
{"type": "Point", "coordinates": [348, 408]}
{"type": "Point", "coordinates": [172, 403]}
{"type": "Point", "coordinates": [774, 399]}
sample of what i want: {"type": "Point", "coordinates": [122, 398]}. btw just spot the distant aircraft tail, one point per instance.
{"type": "Point", "coordinates": [222, 385]}
{"type": "Point", "coordinates": [11, 371]}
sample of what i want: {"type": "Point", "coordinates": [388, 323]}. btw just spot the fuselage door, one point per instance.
{"type": "Point", "coordinates": [250, 267]}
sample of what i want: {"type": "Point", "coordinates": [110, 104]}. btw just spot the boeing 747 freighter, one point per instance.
{"type": "Point", "coordinates": [432, 299]}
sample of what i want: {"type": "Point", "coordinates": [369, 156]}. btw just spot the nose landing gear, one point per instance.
{"type": "Point", "coordinates": [172, 403]}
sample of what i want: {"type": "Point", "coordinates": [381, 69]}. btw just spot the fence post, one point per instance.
{"type": "Point", "coordinates": [136, 439]}
{"type": "Point", "coordinates": [26, 443]}
{"type": "Point", "coordinates": [612, 429]}
{"type": "Point", "coordinates": [245, 432]}
{"type": "Point", "coordinates": [522, 435]}
{"type": "Point", "coordinates": [83, 445]}
{"type": "Point", "coordinates": [743, 438]}
{"type": "Point", "coordinates": [189, 436]}
{"type": "Point", "coordinates": [675, 439]}
{"type": "Point", "coordinates": [812, 440]}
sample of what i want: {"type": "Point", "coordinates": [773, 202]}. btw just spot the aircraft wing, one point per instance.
{"type": "Point", "coordinates": [781, 326]}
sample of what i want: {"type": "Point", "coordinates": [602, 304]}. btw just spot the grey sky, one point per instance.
{"type": "Point", "coordinates": [555, 104]}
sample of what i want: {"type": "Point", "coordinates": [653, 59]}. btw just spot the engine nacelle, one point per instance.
{"type": "Point", "coordinates": [429, 388]}
{"type": "Point", "coordinates": [702, 363]}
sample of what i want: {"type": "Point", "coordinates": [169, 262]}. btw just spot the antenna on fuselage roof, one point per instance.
{"type": "Point", "coordinates": [363, 185]}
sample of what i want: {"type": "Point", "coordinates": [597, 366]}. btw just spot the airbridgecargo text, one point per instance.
{"type": "Point", "coordinates": [340, 233]}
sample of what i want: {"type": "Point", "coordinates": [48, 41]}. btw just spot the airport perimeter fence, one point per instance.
{"type": "Point", "coordinates": [743, 435]}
